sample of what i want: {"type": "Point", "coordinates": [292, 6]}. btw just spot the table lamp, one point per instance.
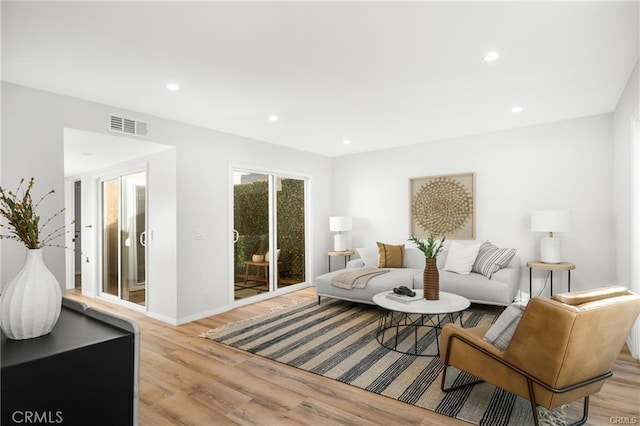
{"type": "Point", "coordinates": [340, 224]}
{"type": "Point", "coordinates": [550, 221]}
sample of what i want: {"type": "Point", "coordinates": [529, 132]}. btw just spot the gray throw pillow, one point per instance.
{"type": "Point", "coordinates": [491, 259]}
{"type": "Point", "coordinates": [502, 330]}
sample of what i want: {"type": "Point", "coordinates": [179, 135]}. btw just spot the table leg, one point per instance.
{"type": "Point", "coordinates": [395, 347]}
{"type": "Point", "coordinates": [569, 282]}
{"type": "Point", "coordinates": [530, 295]}
{"type": "Point", "coordinates": [436, 329]}
{"type": "Point", "coordinates": [382, 322]}
{"type": "Point", "coordinates": [551, 284]}
{"type": "Point", "coordinates": [246, 273]}
{"type": "Point", "coordinates": [266, 275]}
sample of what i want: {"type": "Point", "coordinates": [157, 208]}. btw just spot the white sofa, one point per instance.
{"type": "Point", "coordinates": [501, 289]}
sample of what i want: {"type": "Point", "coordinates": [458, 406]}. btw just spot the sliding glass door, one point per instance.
{"type": "Point", "coordinates": [269, 220]}
{"type": "Point", "coordinates": [124, 200]}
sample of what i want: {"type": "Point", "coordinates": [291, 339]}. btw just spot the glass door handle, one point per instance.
{"type": "Point", "coordinates": [236, 236]}
{"type": "Point", "coordinates": [143, 239]}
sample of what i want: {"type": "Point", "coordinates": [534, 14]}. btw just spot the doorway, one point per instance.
{"type": "Point", "coordinates": [123, 233]}
{"type": "Point", "coordinates": [270, 232]}
{"type": "Point", "coordinates": [93, 158]}
{"type": "Point", "coordinates": [77, 234]}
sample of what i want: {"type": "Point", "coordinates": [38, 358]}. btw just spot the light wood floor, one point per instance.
{"type": "Point", "coordinates": [188, 380]}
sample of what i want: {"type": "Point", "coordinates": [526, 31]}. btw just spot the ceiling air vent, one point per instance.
{"type": "Point", "coordinates": [128, 126]}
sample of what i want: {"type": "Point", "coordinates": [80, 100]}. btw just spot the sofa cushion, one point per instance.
{"type": "Point", "coordinates": [475, 287]}
{"type": "Point", "coordinates": [461, 257]}
{"type": "Point", "coordinates": [413, 258]}
{"type": "Point", "coordinates": [390, 256]}
{"type": "Point", "coordinates": [491, 259]}
{"type": "Point", "coordinates": [369, 256]}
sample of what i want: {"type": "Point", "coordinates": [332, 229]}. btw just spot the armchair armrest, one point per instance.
{"type": "Point", "coordinates": [453, 334]}
{"type": "Point", "coordinates": [465, 349]}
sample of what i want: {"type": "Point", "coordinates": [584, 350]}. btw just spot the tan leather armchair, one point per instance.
{"type": "Point", "coordinates": [562, 350]}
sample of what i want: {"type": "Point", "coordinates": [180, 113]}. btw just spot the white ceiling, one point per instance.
{"type": "Point", "coordinates": [89, 151]}
{"type": "Point", "coordinates": [379, 74]}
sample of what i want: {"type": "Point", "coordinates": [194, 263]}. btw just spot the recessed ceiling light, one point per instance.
{"type": "Point", "coordinates": [516, 109]}
{"type": "Point", "coordinates": [87, 154]}
{"type": "Point", "coordinates": [273, 117]}
{"type": "Point", "coordinates": [173, 87]}
{"type": "Point", "coordinates": [346, 142]}
{"type": "Point", "coordinates": [491, 56]}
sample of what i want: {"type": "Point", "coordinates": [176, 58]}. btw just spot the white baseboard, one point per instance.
{"type": "Point", "coordinates": [222, 309]}
{"type": "Point", "coordinates": [163, 318]}
{"type": "Point", "coordinates": [201, 315]}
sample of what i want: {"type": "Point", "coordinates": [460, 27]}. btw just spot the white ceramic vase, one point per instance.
{"type": "Point", "coordinates": [31, 303]}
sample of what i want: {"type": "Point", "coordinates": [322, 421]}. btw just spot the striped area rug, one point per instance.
{"type": "Point", "coordinates": [337, 339]}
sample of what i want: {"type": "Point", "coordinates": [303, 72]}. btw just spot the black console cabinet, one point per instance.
{"type": "Point", "coordinates": [85, 372]}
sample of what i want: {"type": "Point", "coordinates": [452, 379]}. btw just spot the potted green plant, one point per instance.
{"type": "Point", "coordinates": [431, 276]}
{"type": "Point", "coordinates": [30, 305]}
{"type": "Point", "coordinates": [431, 248]}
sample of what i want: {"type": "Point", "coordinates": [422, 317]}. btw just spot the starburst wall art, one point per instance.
{"type": "Point", "coordinates": [444, 205]}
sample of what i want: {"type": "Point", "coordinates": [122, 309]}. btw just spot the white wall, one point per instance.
{"type": "Point", "coordinates": [32, 135]}
{"type": "Point", "coordinates": [564, 165]}
{"type": "Point", "coordinates": [627, 109]}
{"type": "Point", "coordinates": [32, 146]}
{"type": "Point", "coordinates": [162, 232]}
{"type": "Point", "coordinates": [623, 153]}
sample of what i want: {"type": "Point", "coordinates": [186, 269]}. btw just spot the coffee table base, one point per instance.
{"type": "Point", "coordinates": [398, 322]}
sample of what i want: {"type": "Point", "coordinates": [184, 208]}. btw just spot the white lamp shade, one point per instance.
{"type": "Point", "coordinates": [551, 221]}
{"type": "Point", "coordinates": [340, 223]}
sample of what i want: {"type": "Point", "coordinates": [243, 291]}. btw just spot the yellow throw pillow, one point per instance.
{"type": "Point", "coordinates": [390, 256]}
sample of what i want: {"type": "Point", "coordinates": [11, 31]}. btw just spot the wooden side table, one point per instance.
{"type": "Point", "coordinates": [258, 278]}
{"type": "Point", "coordinates": [346, 254]}
{"type": "Point", "coordinates": [562, 266]}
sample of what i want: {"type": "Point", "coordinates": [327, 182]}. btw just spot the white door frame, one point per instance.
{"type": "Point", "coordinates": [634, 338]}
{"type": "Point", "coordinates": [69, 216]}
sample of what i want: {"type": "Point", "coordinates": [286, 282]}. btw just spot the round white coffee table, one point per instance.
{"type": "Point", "coordinates": [399, 320]}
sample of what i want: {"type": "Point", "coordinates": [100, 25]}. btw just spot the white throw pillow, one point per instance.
{"type": "Point", "coordinates": [369, 256]}
{"type": "Point", "coordinates": [461, 257]}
